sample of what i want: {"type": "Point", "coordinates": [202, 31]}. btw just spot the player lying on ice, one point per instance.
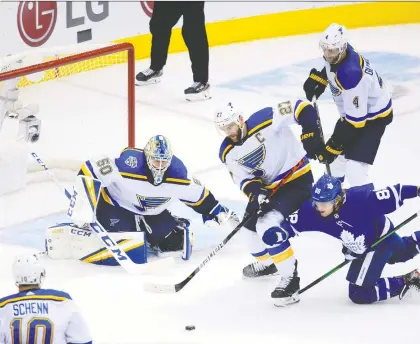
{"type": "Point", "coordinates": [356, 216]}
{"type": "Point", "coordinates": [137, 189]}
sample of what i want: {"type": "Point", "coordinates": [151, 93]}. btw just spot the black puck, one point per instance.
{"type": "Point", "coordinates": [190, 327]}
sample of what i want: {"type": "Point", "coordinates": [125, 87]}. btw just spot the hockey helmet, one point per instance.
{"type": "Point", "coordinates": [333, 42]}
{"type": "Point", "coordinates": [326, 189]}
{"type": "Point", "coordinates": [28, 270]}
{"type": "Point", "coordinates": [159, 155]}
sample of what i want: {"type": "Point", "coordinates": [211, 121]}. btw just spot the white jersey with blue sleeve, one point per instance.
{"type": "Point", "coordinates": [46, 314]}
{"type": "Point", "coordinates": [269, 150]}
{"type": "Point", "coordinates": [127, 183]}
{"type": "Point", "coordinates": [358, 90]}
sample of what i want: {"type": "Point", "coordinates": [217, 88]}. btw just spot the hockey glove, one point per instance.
{"type": "Point", "coordinates": [315, 84]}
{"type": "Point", "coordinates": [312, 143]}
{"type": "Point", "coordinates": [331, 151]}
{"type": "Point", "coordinates": [258, 201]}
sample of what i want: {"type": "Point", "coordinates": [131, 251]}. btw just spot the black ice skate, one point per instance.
{"type": "Point", "coordinates": [257, 269]}
{"type": "Point", "coordinates": [412, 281]}
{"type": "Point", "coordinates": [287, 291]}
{"type": "Point", "coordinates": [198, 91]}
{"type": "Point", "coordinates": [148, 76]}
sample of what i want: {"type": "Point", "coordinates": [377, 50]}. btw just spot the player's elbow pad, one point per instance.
{"type": "Point", "coordinates": [308, 118]}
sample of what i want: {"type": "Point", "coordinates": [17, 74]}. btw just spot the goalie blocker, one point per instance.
{"type": "Point", "coordinates": [133, 233]}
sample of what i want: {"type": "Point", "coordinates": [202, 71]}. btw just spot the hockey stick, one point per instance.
{"type": "Point", "coordinates": [120, 255]}
{"type": "Point", "coordinates": [174, 288]}
{"type": "Point", "coordinates": [321, 131]}
{"type": "Point", "coordinates": [339, 266]}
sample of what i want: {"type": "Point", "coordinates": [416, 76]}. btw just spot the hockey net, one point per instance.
{"type": "Point", "coordinates": [86, 100]}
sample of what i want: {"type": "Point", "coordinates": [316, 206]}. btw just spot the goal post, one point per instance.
{"type": "Point", "coordinates": [82, 90]}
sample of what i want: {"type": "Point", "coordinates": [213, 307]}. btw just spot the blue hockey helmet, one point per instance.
{"type": "Point", "coordinates": [159, 155]}
{"type": "Point", "coordinates": [326, 189]}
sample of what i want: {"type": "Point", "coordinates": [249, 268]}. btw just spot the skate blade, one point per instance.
{"type": "Point", "coordinates": [205, 95]}
{"type": "Point", "coordinates": [283, 302]}
{"type": "Point", "coordinates": [150, 82]}
{"type": "Point", "coordinates": [258, 278]}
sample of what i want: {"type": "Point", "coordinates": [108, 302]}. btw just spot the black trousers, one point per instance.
{"type": "Point", "coordinates": [165, 15]}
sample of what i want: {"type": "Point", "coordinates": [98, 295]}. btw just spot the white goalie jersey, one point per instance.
{"type": "Point", "coordinates": [126, 184]}
{"type": "Point", "coordinates": [269, 149]}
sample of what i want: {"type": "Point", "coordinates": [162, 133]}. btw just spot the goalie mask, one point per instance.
{"type": "Point", "coordinates": [158, 156]}
{"type": "Point", "coordinates": [334, 43]}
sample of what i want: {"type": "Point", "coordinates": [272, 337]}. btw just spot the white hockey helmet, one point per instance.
{"type": "Point", "coordinates": [28, 270]}
{"type": "Point", "coordinates": [334, 42]}
{"type": "Point", "coordinates": [225, 116]}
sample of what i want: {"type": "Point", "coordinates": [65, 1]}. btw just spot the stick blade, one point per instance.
{"type": "Point", "coordinates": [159, 288]}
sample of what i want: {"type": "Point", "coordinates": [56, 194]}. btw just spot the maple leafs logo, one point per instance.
{"type": "Point", "coordinates": [355, 245]}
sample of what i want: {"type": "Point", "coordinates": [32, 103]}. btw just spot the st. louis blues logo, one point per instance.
{"type": "Point", "coordinates": [148, 203]}
{"type": "Point", "coordinates": [334, 90]}
{"type": "Point", "coordinates": [254, 160]}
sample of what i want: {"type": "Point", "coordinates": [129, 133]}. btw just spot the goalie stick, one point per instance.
{"type": "Point", "coordinates": [339, 266]}
{"type": "Point", "coordinates": [174, 288]}
{"type": "Point", "coordinates": [120, 256]}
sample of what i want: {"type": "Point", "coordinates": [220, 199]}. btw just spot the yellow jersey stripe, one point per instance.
{"type": "Point", "coordinates": [260, 126]}
{"type": "Point", "coordinates": [86, 171]}
{"type": "Point", "coordinates": [133, 175]}
{"type": "Point", "coordinates": [300, 108]}
{"type": "Point", "coordinates": [360, 124]}
{"type": "Point", "coordinates": [201, 200]}
{"type": "Point", "coordinates": [227, 149]}
{"type": "Point", "coordinates": [176, 180]}
{"type": "Point", "coordinates": [33, 297]}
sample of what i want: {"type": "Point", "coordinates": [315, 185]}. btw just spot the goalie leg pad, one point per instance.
{"type": "Point", "coordinates": [67, 241]}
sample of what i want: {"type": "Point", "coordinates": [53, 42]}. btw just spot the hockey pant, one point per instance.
{"type": "Point", "coordinates": [284, 202]}
{"type": "Point", "coordinates": [366, 285]}
{"type": "Point", "coordinates": [356, 159]}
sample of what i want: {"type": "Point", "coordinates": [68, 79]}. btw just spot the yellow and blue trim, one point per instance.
{"type": "Point", "coordinates": [201, 199]}
{"type": "Point", "coordinates": [36, 295]}
{"type": "Point", "coordinates": [103, 257]}
{"type": "Point", "coordinates": [261, 256]}
{"type": "Point", "coordinates": [88, 170]}
{"type": "Point", "coordinates": [92, 189]}
{"type": "Point", "coordinates": [299, 106]}
{"type": "Point", "coordinates": [281, 252]}
{"type": "Point", "coordinates": [305, 168]}
{"type": "Point", "coordinates": [360, 122]}
{"type": "Point", "coordinates": [225, 148]}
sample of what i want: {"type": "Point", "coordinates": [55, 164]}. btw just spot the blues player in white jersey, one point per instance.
{"type": "Point", "coordinates": [363, 103]}
{"type": "Point", "coordinates": [259, 153]}
{"type": "Point", "coordinates": [137, 189]}
{"type": "Point", "coordinates": [357, 217]}
{"type": "Point", "coordinates": [36, 315]}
